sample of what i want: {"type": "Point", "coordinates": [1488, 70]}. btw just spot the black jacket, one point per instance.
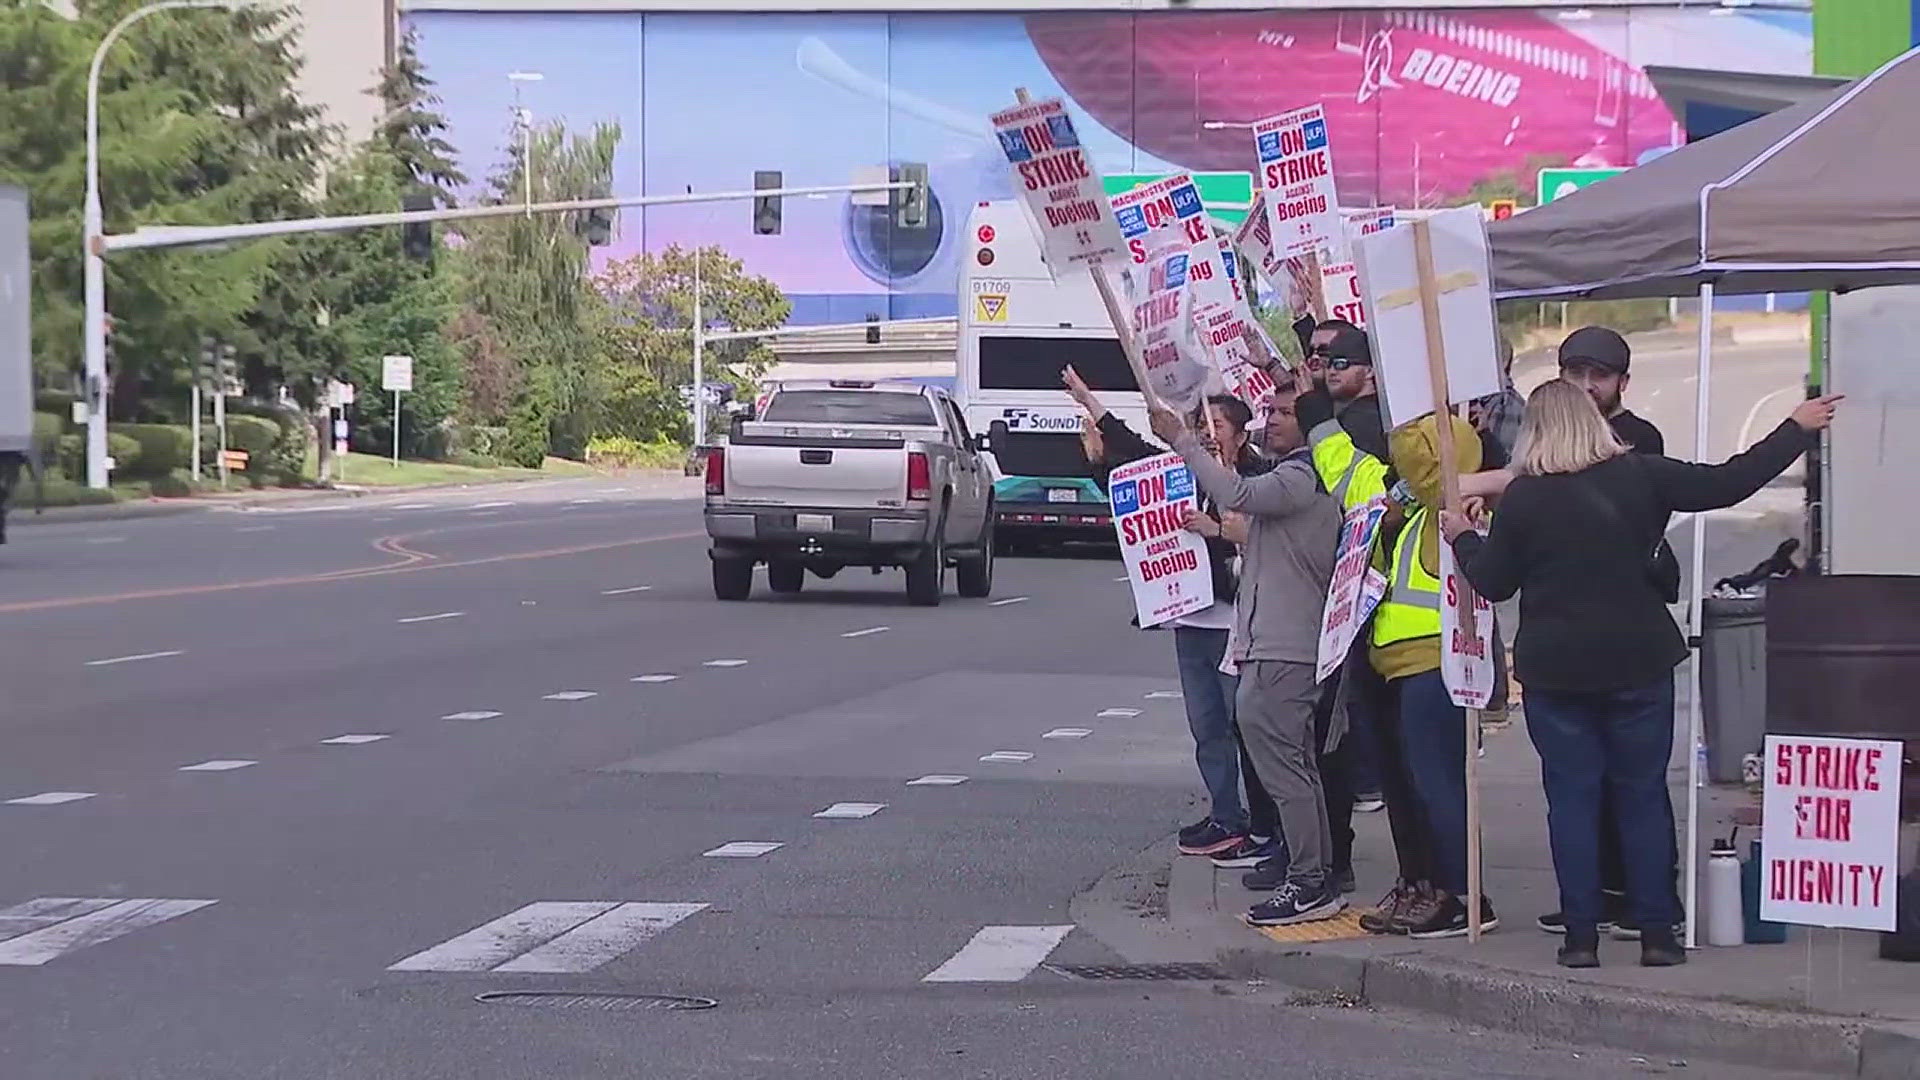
{"type": "Point", "coordinates": [1575, 547]}
{"type": "Point", "coordinates": [1123, 444]}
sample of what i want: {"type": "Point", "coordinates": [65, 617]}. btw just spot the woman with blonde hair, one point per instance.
{"type": "Point", "coordinates": [1579, 536]}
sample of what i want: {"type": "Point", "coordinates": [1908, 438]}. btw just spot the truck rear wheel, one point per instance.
{"type": "Point", "coordinates": [732, 579]}
{"type": "Point", "coordinates": [785, 576]}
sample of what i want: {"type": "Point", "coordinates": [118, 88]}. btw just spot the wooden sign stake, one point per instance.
{"type": "Point", "coordinates": [1429, 288]}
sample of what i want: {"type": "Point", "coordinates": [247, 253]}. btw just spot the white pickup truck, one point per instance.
{"type": "Point", "coordinates": [844, 473]}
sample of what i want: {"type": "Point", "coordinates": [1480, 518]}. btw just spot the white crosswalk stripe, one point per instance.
{"type": "Point", "coordinates": [52, 926]}
{"type": "Point", "coordinates": [1000, 954]}
{"type": "Point", "coordinates": [552, 937]}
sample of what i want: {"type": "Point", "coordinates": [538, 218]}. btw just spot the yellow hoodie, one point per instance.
{"type": "Point", "coordinates": [1415, 449]}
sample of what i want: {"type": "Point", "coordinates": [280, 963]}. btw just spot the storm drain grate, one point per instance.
{"type": "Point", "coordinates": [597, 1002]}
{"type": "Point", "coordinates": [1149, 972]}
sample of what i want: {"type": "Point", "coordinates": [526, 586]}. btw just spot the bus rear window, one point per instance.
{"type": "Point", "coordinates": [1034, 363]}
{"type": "Point", "coordinates": [850, 407]}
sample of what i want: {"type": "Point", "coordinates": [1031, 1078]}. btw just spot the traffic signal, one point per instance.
{"type": "Point", "coordinates": [910, 204]}
{"type": "Point", "coordinates": [873, 329]}
{"type": "Point", "coordinates": [596, 226]}
{"type": "Point", "coordinates": [1504, 209]}
{"type": "Point", "coordinates": [766, 208]}
{"type": "Point", "coordinates": [416, 237]}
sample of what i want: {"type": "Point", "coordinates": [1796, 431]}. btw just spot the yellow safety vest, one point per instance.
{"type": "Point", "coordinates": [1351, 475]}
{"type": "Point", "coordinates": [1411, 607]}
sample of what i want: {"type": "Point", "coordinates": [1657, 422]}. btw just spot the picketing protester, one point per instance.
{"type": "Point", "coordinates": [1598, 360]}
{"type": "Point", "coordinates": [1423, 734]}
{"type": "Point", "coordinates": [1497, 418]}
{"type": "Point", "coordinates": [1597, 647]}
{"type": "Point", "coordinates": [1232, 833]}
{"type": "Point", "coordinates": [1339, 409]}
{"type": "Point", "coordinates": [1293, 528]}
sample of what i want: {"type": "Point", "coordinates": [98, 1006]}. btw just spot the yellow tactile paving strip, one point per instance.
{"type": "Point", "coordinates": [1345, 925]}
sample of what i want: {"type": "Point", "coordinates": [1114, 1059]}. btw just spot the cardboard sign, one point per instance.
{"type": "Point", "coordinates": [1466, 651]}
{"type": "Point", "coordinates": [1254, 237]}
{"type": "Point", "coordinates": [1057, 183]}
{"type": "Point", "coordinates": [1390, 290]}
{"type": "Point", "coordinates": [396, 373]}
{"type": "Point", "coordinates": [1348, 607]}
{"type": "Point", "coordinates": [1830, 831]}
{"type": "Point", "coordinates": [1339, 280]}
{"type": "Point", "coordinates": [1166, 565]}
{"type": "Point", "coordinates": [1177, 371]}
{"type": "Point", "coordinates": [1296, 175]}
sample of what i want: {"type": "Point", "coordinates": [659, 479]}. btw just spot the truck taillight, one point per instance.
{"type": "Point", "coordinates": [919, 477]}
{"type": "Point", "coordinates": [716, 470]}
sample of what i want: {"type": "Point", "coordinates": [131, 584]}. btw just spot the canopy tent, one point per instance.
{"type": "Point", "coordinates": [1819, 195]}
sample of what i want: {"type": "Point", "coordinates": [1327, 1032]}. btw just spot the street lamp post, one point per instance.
{"type": "Point", "coordinates": [94, 324]}
{"type": "Point", "coordinates": [524, 117]}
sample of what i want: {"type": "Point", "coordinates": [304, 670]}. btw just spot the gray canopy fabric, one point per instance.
{"type": "Point", "coordinates": [1820, 195]}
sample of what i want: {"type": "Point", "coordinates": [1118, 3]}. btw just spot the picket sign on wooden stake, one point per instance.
{"type": "Point", "coordinates": [1116, 313]}
{"type": "Point", "coordinates": [1450, 495]}
{"type": "Point", "coordinates": [1316, 287]}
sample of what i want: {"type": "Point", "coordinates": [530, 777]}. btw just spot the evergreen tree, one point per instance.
{"type": "Point", "coordinates": [412, 131]}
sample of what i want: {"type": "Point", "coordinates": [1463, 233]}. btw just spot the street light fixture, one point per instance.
{"type": "Point", "coordinates": [94, 325]}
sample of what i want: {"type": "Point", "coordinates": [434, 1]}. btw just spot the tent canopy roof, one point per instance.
{"type": "Point", "coordinates": [1818, 195]}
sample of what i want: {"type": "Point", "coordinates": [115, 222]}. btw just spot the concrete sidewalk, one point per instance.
{"type": "Point", "coordinates": [1822, 1002]}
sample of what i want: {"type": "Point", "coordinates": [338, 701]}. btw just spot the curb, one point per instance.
{"type": "Point", "coordinates": [1565, 1011]}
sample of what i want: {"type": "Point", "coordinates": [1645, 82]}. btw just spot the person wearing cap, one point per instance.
{"type": "Point", "coordinates": [1596, 359]}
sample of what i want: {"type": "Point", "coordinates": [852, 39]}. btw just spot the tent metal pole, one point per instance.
{"type": "Point", "coordinates": [1701, 397]}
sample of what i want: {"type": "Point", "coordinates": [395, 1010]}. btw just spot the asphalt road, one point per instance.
{"type": "Point", "coordinates": [207, 875]}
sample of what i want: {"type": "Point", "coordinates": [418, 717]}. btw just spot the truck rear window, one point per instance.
{"type": "Point", "coordinates": [850, 407]}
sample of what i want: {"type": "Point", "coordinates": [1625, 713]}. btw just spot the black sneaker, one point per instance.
{"type": "Point", "coordinates": [1661, 948]}
{"type": "Point", "coordinates": [1294, 904]}
{"type": "Point", "coordinates": [1556, 923]}
{"type": "Point", "coordinates": [1384, 918]}
{"type": "Point", "coordinates": [1210, 840]}
{"type": "Point", "coordinates": [1268, 876]}
{"type": "Point", "coordinates": [1193, 831]}
{"type": "Point", "coordinates": [1581, 950]}
{"type": "Point", "coordinates": [1247, 854]}
{"type": "Point", "coordinates": [1448, 918]}
{"type": "Point", "coordinates": [1628, 932]}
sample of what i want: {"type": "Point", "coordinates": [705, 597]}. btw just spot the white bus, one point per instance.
{"type": "Point", "coordinates": [1018, 329]}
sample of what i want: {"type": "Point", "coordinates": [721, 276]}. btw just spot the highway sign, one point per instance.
{"type": "Point", "coordinates": [1559, 183]}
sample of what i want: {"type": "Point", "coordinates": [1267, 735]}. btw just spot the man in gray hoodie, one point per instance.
{"type": "Point", "coordinates": [1293, 529]}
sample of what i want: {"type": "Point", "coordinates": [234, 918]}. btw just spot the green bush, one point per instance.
{"type": "Point", "coordinates": [620, 452]}
{"type": "Point", "coordinates": [70, 457]}
{"type": "Point", "coordinates": [125, 452]}
{"type": "Point", "coordinates": [48, 427]}
{"type": "Point", "coordinates": [58, 402]}
{"type": "Point", "coordinates": [258, 438]}
{"type": "Point", "coordinates": [163, 447]}
{"type": "Point", "coordinates": [177, 484]}
{"type": "Point", "coordinates": [472, 460]}
{"type": "Point", "coordinates": [63, 492]}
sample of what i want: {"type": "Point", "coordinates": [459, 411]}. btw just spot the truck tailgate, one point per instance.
{"type": "Point", "coordinates": [859, 471]}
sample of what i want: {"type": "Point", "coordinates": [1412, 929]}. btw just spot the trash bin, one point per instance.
{"type": "Point", "coordinates": [1733, 681]}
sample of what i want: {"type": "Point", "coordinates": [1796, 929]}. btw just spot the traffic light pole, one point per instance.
{"type": "Point", "coordinates": [99, 244]}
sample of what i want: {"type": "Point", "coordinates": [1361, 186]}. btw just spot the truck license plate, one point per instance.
{"type": "Point", "coordinates": [1063, 495]}
{"type": "Point", "coordinates": [813, 522]}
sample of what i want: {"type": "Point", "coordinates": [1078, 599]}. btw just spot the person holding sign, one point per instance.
{"type": "Point", "coordinates": [1597, 646]}
{"type": "Point", "coordinates": [1232, 833]}
{"type": "Point", "coordinates": [1288, 563]}
{"type": "Point", "coordinates": [1423, 736]}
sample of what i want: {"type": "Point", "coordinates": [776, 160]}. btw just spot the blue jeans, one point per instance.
{"type": "Point", "coordinates": [1431, 732]}
{"type": "Point", "coordinates": [1209, 699]}
{"type": "Point", "coordinates": [1617, 743]}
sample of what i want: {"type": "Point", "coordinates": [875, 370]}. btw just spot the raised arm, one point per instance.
{"type": "Point", "coordinates": [1689, 486]}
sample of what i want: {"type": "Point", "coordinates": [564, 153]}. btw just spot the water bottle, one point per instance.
{"type": "Point", "coordinates": [1726, 917]}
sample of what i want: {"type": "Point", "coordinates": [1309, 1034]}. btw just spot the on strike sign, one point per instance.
{"type": "Point", "coordinates": [1166, 565]}
{"type": "Point", "coordinates": [1058, 183]}
{"type": "Point", "coordinates": [1161, 310]}
{"type": "Point", "coordinates": [1830, 831]}
{"type": "Point", "coordinates": [1466, 653]}
{"type": "Point", "coordinates": [1349, 601]}
{"type": "Point", "coordinates": [1296, 173]}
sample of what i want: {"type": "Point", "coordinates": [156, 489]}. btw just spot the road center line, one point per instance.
{"type": "Point", "coordinates": [725, 663]}
{"type": "Point", "coordinates": [571, 695]}
{"type": "Point", "coordinates": [938, 780]}
{"type": "Point", "coordinates": [432, 618]}
{"type": "Point", "coordinates": [1008, 757]}
{"type": "Point", "coordinates": [653, 678]}
{"type": "Point", "coordinates": [218, 765]}
{"type": "Point", "coordinates": [1008, 600]}
{"type": "Point", "coordinates": [135, 657]}
{"type": "Point", "coordinates": [477, 714]}
{"type": "Point", "coordinates": [625, 591]}
{"type": "Point", "coordinates": [867, 631]}
{"type": "Point", "coordinates": [106, 540]}
{"type": "Point", "coordinates": [1000, 954]}
{"type": "Point", "coordinates": [50, 798]}
{"type": "Point", "coordinates": [352, 740]}
{"type": "Point", "coordinates": [490, 505]}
